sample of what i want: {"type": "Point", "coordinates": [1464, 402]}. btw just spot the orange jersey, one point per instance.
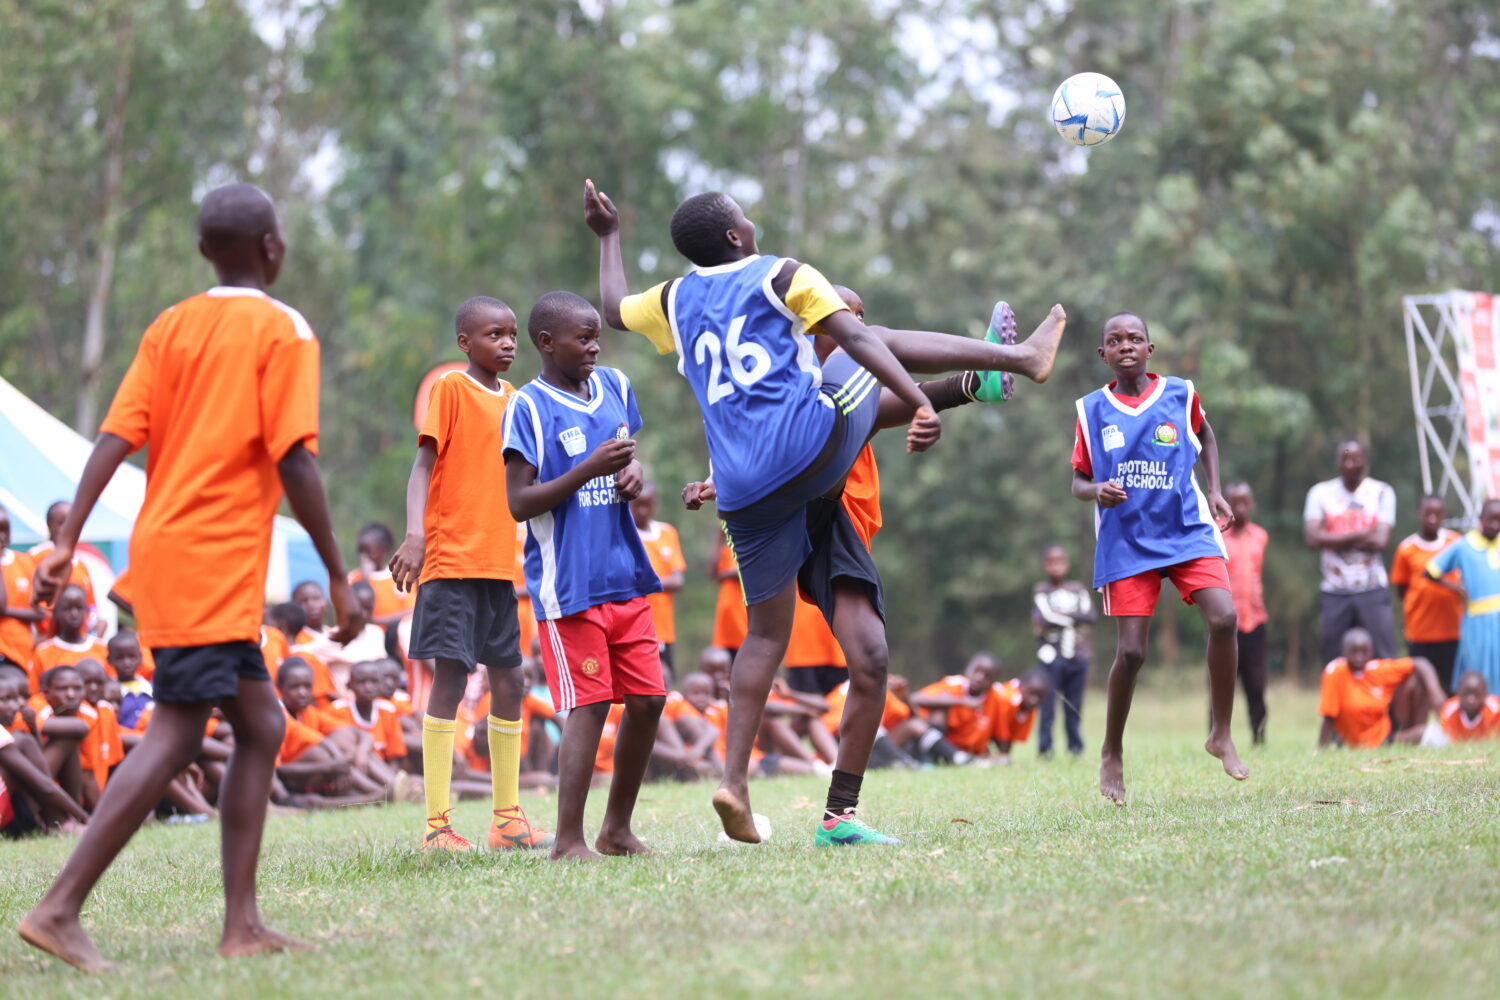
{"type": "Point", "coordinates": [861, 497]}
{"type": "Point", "coordinates": [143, 721]}
{"type": "Point", "coordinates": [324, 690]}
{"type": "Point", "coordinates": [604, 757]}
{"type": "Point", "coordinates": [1012, 721]}
{"type": "Point", "coordinates": [1360, 705]}
{"type": "Point", "coordinates": [664, 549]}
{"type": "Point", "coordinates": [16, 637]}
{"type": "Point", "coordinates": [524, 613]}
{"type": "Point", "coordinates": [731, 621]}
{"type": "Point", "coordinates": [1460, 728]}
{"type": "Point", "coordinates": [676, 707]}
{"type": "Point", "coordinates": [223, 385]}
{"type": "Point", "coordinates": [812, 643]}
{"type": "Point", "coordinates": [1432, 611]}
{"type": "Point", "coordinates": [273, 647]}
{"type": "Point", "coordinates": [717, 715]}
{"type": "Point", "coordinates": [55, 652]}
{"type": "Point", "coordinates": [969, 729]}
{"type": "Point", "coordinates": [388, 600]}
{"type": "Point", "coordinates": [92, 749]}
{"type": "Point", "coordinates": [107, 748]}
{"type": "Point", "coordinates": [324, 720]}
{"type": "Point", "coordinates": [469, 717]}
{"type": "Point", "coordinates": [77, 576]}
{"type": "Point", "coordinates": [895, 712]}
{"type": "Point", "coordinates": [298, 739]}
{"type": "Point", "coordinates": [383, 724]}
{"type": "Point", "coordinates": [404, 704]}
{"type": "Point", "coordinates": [468, 524]}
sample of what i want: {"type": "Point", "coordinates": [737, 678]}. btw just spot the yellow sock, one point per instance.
{"type": "Point", "coordinates": [437, 764]}
{"type": "Point", "coordinates": [505, 762]}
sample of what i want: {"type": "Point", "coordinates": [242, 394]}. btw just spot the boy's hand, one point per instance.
{"type": "Point", "coordinates": [51, 576]}
{"type": "Point", "coordinates": [406, 564]}
{"type": "Point", "coordinates": [1222, 512]}
{"type": "Point", "coordinates": [599, 212]}
{"type": "Point", "coordinates": [629, 481]}
{"type": "Point", "coordinates": [695, 495]}
{"type": "Point", "coordinates": [348, 615]}
{"type": "Point", "coordinates": [1110, 494]}
{"type": "Point", "coordinates": [611, 456]}
{"type": "Point", "coordinates": [926, 427]}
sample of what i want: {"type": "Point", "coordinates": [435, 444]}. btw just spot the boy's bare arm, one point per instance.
{"type": "Point", "coordinates": [303, 485]}
{"type": "Point", "coordinates": [1210, 459]}
{"type": "Point", "coordinates": [920, 700]}
{"type": "Point", "coordinates": [406, 564]}
{"type": "Point", "coordinates": [604, 219]}
{"type": "Point", "coordinates": [40, 785]}
{"type": "Point", "coordinates": [528, 498]}
{"type": "Point", "coordinates": [1107, 494]}
{"type": "Point", "coordinates": [53, 571]}
{"type": "Point", "coordinates": [1327, 733]}
{"type": "Point", "coordinates": [1429, 679]}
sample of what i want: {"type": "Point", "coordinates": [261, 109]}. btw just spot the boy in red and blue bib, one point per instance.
{"type": "Point", "coordinates": [1138, 442]}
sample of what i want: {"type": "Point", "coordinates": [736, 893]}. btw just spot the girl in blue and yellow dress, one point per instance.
{"type": "Point", "coordinates": [1477, 558]}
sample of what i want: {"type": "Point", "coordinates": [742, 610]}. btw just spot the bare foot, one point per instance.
{"type": "Point", "coordinates": [1112, 778]}
{"type": "Point", "coordinates": [734, 814]}
{"type": "Point", "coordinates": [1222, 747]}
{"type": "Point", "coordinates": [575, 852]}
{"type": "Point", "coordinates": [620, 844]}
{"type": "Point", "coordinates": [63, 938]}
{"type": "Point", "coordinates": [1041, 346]}
{"type": "Point", "coordinates": [259, 940]}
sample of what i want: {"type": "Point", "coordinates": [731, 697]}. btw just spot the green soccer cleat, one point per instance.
{"type": "Point", "coordinates": [997, 387]}
{"type": "Point", "coordinates": [847, 831]}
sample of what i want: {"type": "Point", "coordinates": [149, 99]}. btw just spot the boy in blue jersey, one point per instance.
{"type": "Point", "coordinates": [570, 472]}
{"type": "Point", "coordinates": [782, 435]}
{"type": "Point", "coordinates": [1137, 443]}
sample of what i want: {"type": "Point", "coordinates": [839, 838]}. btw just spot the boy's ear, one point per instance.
{"type": "Point", "coordinates": [544, 340]}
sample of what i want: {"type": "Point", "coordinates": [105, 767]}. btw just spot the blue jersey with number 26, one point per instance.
{"type": "Point", "coordinates": [752, 366]}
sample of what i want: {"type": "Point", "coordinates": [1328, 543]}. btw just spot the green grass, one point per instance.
{"type": "Point", "coordinates": [1334, 874]}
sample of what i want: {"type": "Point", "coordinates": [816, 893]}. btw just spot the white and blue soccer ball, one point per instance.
{"type": "Point", "coordinates": [1087, 109]}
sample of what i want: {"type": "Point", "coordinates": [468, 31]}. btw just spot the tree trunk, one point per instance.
{"type": "Point", "coordinates": [92, 355]}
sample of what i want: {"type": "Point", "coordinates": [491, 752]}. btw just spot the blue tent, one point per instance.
{"type": "Point", "coordinates": [41, 459]}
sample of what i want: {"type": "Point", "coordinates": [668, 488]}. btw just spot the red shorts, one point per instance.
{"type": "Point", "coordinates": [1135, 596]}
{"type": "Point", "coordinates": [602, 654]}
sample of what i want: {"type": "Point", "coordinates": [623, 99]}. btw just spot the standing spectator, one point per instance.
{"type": "Point", "coordinates": [1061, 612]}
{"type": "Point", "coordinates": [1349, 520]}
{"type": "Point", "coordinates": [1477, 558]}
{"type": "Point", "coordinates": [1432, 611]}
{"type": "Point", "coordinates": [1245, 541]}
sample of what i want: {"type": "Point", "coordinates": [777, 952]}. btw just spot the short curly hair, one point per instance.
{"type": "Point", "coordinates": [698, 228]}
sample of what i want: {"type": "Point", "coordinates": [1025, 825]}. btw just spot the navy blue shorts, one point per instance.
{"type": "Point", "coordinates": [187, 674]}
{"type": "Point", "coordinates": [769, 538]}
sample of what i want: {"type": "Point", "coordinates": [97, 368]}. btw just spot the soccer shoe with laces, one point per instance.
{"type": "Point", "coordinates": [845, 830]}
{"type": "Point", "coordinates": [997, 387]}
{"type": "Point", "coordinates": [440, 837]}
{"type": "Point", "coordinates": [510, 829]}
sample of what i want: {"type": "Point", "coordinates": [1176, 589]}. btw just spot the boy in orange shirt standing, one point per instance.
{"type": "Point", "coordinates": [664, 549]}
{"type": "Point", "coordinates": [17, 614]}
{"type": "Point", "coordinates": [1433, 613]}
{"type": "Point", "coordinates": [224, 391]}
{"type": "Point", "coordinates": [459, 555]}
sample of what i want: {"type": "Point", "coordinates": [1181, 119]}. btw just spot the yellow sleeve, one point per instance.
{"type": "Point", "coordinates": [644, 314]}
{"type": "Point", "coordinates": [812, 297]}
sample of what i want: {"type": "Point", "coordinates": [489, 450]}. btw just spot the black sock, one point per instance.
{"type": "Point", "coordinates": [843, 791]}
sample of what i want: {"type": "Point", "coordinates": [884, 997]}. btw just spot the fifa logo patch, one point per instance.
{"type": "Point", "coordinates": [573, 441]}
{"type": "Point", "coordinates": [1165, 434]}
{"type": "Point", "coordinates": [589, 666]}
{"type": "Point", "coordinates": [1112, 437]}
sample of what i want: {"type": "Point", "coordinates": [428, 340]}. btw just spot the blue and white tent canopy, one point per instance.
{"type": "Point", "coordinates": [41, 460]}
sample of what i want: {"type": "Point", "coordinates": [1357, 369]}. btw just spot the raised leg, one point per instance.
{"type": "Point", "coordinates": [926, 352]}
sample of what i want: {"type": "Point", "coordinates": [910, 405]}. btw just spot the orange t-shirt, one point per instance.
{"type": "Point", "coordinates": [469, 717]}
{"type": "Point", "coordinates": [664, 549]}
{"type": "Point", "coordinates": [299, 739]}
{"type": "Point", "coordinates": [469, 528]}
{"type": "Point", "coordinates": [16, 637]}
{"type": "Point", "coordinates": [324, 720]}
{"type": "Point", "coordinates": [324, 690]}
{"type": "Point", "coordinates": [1360, 706]}
{"type": "Point", "coordinates": [1460, 729]}
{"type": "Point", "coordinates": [524, 613]}
{"type": "Point", "coordinates": [1011, 722]}
{"type": "Point", "coordinates": [273, 647]}
{"type": "Point", "coordinates": [143, 720]}
{"type": "Point", "coordinates": [717, 715]}
{"type": "Point", "coordinates": [1432, 611]}
{"type": "Point", "coordinates": [812, 643]}
{"type": "Point", "coordinates": [731, 621]}
{"type": "Point", "coordinates": [55, 652]}
{"type": "Point", "coordinates": [862, 495]}
{"type": "Point", "coordinates": [106, 749]}
{"type": "Point", "coordinates": [676, 707]}
{"type": "Point", "coordinates": [384, 725]}
{"type": "Point", "coordinates": [403, 703]}
{"type": "Point", "coordinates": [604, 757]}
{"type": "Point", "coordinates": [895, 712]}
{"type": "Point", "coordinates": [388, 600]}
{"type": "Point", "coordinates": [223, 385]}
{"type": "Point", "coordinates": [969, 729]}
{"type": "Point", "coordinates": [92, 748]}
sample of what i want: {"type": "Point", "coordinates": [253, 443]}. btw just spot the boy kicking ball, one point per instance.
{"type": "Point", "coordinates": [1138, 442]}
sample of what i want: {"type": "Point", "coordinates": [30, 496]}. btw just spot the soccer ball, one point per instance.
{"type": "Point", "coordinates": [1087, 109]}
{"type": "Point", "coordinates": [762, 827]}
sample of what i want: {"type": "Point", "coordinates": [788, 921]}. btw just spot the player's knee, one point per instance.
{"type": "Point", "coordinates": [263, 732]}
{"type": "Point", "coordinates": [868, 658]}
{"type": "Point", "coordinates": [514, 682]}
{"type": "Point", "coordinates": [1130, 657]}
{"type": "Point", "coordinates": [1223, 622]}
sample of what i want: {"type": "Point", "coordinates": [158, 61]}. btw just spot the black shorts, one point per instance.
{"type": "Point", "coordinates": [187, 674]}
{"type": "Point", "coordinates": [837, 551]}
{"type": "Point", "coordinates": [816, 680]}
{"type": "Point", "coordinates": [471, 621]}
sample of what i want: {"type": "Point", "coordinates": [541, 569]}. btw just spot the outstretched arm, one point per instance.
{"type": "Point", "coordinates": [52, 572]}
{"type": "Point", "coordinates": [604, 219]}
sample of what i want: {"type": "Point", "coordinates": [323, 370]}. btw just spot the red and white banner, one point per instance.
{"type": "Point", "coordinates": [1479, 377]}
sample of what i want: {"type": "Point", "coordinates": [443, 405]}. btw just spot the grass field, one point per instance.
{"type": "Point", "coordinates": [1338, 874]}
